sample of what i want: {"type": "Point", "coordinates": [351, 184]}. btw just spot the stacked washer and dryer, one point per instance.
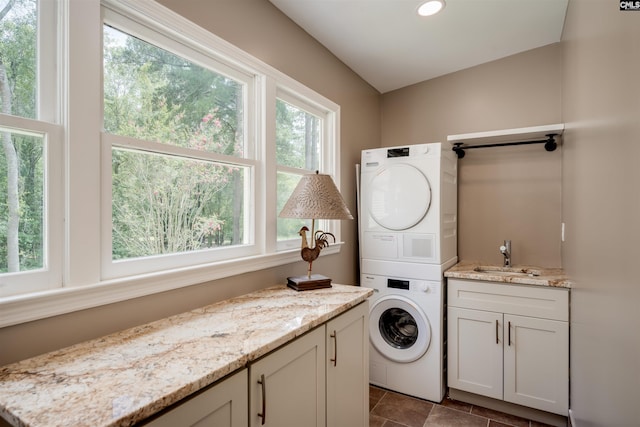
{"type": "Point", "coordinates": [408, 238]}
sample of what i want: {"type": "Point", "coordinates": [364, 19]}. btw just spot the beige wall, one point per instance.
{"type": "Point", "coordinates": [257, 27]}
{"type": "Point", "coordinates": [504, 193]}
{"type": "Point", "coordinates": [601, 205]}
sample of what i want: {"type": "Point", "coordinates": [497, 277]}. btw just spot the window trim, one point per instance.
{"type": "Point", "coordinates": [81, 103]}
{"type": "Point", "coordinates": [23, 308]}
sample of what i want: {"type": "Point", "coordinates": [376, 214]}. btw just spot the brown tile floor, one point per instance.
{"type": "Point", "coordinates": [390, 409]}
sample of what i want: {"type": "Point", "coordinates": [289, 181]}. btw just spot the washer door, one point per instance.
{"type": "Point", "coordinates": [399, 329]}
{"type": "Point", "coordinates": [400, 197]}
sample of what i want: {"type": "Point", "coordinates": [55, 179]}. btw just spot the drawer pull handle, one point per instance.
{"type": "Point", "coordinates": [335, 348]}
{"type": "Point", "coordinates": [509, 334]}
{"type": "Point", "coordinates": [263, 383]}
{"type": "Point", "coordinates": [497, 341]}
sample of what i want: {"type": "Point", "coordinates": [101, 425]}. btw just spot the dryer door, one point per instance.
{"type": "Point", "coordinates": [399, 329]}
{"type": "Point", "coordinates": [400, 197]}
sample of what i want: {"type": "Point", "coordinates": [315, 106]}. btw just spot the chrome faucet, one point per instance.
{"type": "Point", "coordinates": [505, 250]}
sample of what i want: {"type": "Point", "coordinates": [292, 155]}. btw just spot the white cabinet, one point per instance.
{"type": "Point", "coordinates": [348, 369]}
{"type": "Point", "coordinates": [287, 387]}
{"type": "Point", "coordinates": [319, 379]}
{"type": "Point", "coordinates": [536, 363]}
{"type": "Point", "coordinates": [509, 342]}
{"type": "Point", "coordinates": [222, 405]}
{"type": "Point", "coordinates": [475, 356]}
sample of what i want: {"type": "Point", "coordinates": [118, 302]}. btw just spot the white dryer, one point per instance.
{"type": "Point", "coordinates": [405, 331]}
{"type": "Point", "coordinates": [408, 208]}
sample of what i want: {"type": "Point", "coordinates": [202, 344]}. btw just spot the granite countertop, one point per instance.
{"type": "Point", "coordinates": [523, 275]}
{"type": "Point", "coordinates": [126, 377]}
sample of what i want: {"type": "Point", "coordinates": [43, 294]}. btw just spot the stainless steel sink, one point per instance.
{"type": "Point", "coordinates": [506, 271]}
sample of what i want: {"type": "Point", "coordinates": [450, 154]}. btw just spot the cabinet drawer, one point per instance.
{"type": "Point", "coordinates": [544, 303]}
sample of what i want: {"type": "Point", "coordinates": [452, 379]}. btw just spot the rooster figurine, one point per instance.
{"type": "Point", "coordinates": [311, 254]}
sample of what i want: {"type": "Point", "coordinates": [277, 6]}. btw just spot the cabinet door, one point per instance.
{"type": "Point", "coordinates": [348, 368]}
{"type": "Point", "coordinates": [536, 364]}
{"type": "Point", "coordinates": [223, 405]}
{"type": "Point", "coordinates": [474, 360]}
{"type": "Point", "coordinates": [287, 387]}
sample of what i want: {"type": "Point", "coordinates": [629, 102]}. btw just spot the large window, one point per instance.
{"type": "Point", "coordinates": [141, 154]}
{"type": "Point", "coordinates": [180, 152]}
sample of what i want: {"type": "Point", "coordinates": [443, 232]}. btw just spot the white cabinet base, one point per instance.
{"type": "Point", "coordinates": [509, 342]}
{"type": "Point", "coordinates": [508, 408]}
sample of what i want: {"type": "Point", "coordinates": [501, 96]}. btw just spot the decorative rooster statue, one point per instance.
{"type": "Point", "coordinates": [311, 254]}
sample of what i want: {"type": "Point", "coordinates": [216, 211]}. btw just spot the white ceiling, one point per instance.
{"type": "Point", "coordinates": [390, 46]}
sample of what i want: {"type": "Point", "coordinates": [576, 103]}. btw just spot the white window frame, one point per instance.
{"type": "Point", "coordinates": [151, 32]}
{"type": "Point", "coordinates": [50, 275]}
{"type": "Point", "coordinates": [84, 283]}
{"type": "Point", "coordinates": [46, 126]}
{"type": "Point", "coordinates": [327, 161]}
{"type": "Point", "coordinates": [134, 266]}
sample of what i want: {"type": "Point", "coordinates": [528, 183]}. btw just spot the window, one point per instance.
{"type": "Point", "coordinates": [150, 155]}
{"type": "Point", "coordinates": [181, 181]}
{"type": "Point", "coordinates": [299, 149]}
{"type": "Point", "coordinates": [22, 209]}
{"type": "Point", "coordinates": [29, 214]}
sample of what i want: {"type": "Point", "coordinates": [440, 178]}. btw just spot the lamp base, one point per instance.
{"type": "Point", "coordinates": [304, 283]}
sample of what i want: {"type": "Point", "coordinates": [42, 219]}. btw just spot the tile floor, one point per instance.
{"type": "Point", "coordinates": [390, 409]}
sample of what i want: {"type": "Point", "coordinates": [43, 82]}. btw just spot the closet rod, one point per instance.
{"type": "Point", "coordinates": [549, 144]}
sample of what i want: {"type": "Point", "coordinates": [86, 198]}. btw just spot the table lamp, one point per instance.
{"type": "Point", "coordinates": [315, 197]}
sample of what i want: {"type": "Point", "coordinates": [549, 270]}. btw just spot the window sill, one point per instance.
{"type": "Point", "coordinates": [25, 308]}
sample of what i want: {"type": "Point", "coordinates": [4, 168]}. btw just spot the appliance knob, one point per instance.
{"type": "Point", "coordinates": [423, 287]}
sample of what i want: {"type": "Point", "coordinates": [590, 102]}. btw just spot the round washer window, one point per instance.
{"type": "Point", "coordinates": [399, 329]}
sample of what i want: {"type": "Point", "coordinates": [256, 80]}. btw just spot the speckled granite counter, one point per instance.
{"type": "Point", "coordinates": [523, 275]}
{"type": "Point", "coordinates": [126, 377]}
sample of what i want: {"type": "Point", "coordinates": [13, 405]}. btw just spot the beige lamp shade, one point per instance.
{"type": "Point", "coordinates": [316, 197]}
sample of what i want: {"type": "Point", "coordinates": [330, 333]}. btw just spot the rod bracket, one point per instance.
{"type": "Point", "coordinates": [457, 148]}
{"type": "Point", "coordinates": [551, 143]}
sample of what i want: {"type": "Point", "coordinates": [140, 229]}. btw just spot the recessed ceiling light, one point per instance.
{"type": "Point", "coordinates": [430, 7]}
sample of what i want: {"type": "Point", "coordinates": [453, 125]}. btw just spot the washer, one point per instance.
{"type": "Point", "coordinates": [405, 331]}
{"type": "Point", "coordinates": [408, 206]}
